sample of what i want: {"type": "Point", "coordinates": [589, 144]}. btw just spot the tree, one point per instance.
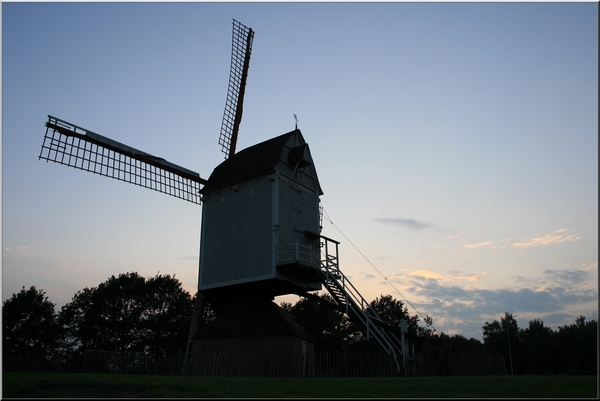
{"type": "Point", "coordinates": [129, 313]}
{"type": "Point", "coordinates": [428, 331]}
{"type": "Point", "coordinates": [329, 327]}
{"type": "Point", "coordinates": [168, 316]}
{"type": "Point", "coordinates": [391, 311]}
{"type": "Point", "coordinates": [539, 354]}
{"type": "Point", "coordinates": [459, 343]}
{"type": "Point", "coordinates": [539, 350]}
{"type": "Point", "coordinates": [503, 339]}
{"type": "Point", "coordinates": [334, 330]}
{"type": "Point", "coordinates": [577, 346]}
{"type": "Point", "coordinates": [493, 337]}
{"type": "Point", "coordinates": [29, 324]}
{"type": "Point", "coordinates": [209, 314]}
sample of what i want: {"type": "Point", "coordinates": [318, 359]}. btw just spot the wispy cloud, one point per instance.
{"type": "Point", "coordinates": [14, 253]}
{"type": "Point", "coordinates": [18, 248]}
{"type": "Point", "coordinates": [408, 223]}
{"type": "Point", "coordinates": [478, 245]}
{"type": "Point", "coordinates": [469, 307]}
{"type": "Point", "coordinates": [462, 276]}
{"type": "Point", "coordinates": [426, 274]}
{"type": "Point", "coordinates": [557, 236]}
{"type": "Point", "coordinates": [456, 235]}
{"type": "Point", "coordinates": [453, 275]}
{"type": "Point", "coordinates": [579, 278]}
{"type": "Point", "coordinates": [458, 303]}
{"type": "Point", "coordinates": [589, 266]}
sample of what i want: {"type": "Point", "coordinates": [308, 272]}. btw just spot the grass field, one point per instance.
{"type": "Point", "coordinates": [58, 385]}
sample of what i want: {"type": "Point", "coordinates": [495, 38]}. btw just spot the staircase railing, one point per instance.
{"type": "Point", "coordinates": [295, 253]}
{"type": "Point", "coordinates": [356, 307]}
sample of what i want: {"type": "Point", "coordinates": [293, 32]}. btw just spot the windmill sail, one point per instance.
{"type": "Point", "coordinates": [68, 144]}
{"type": "Point", "coordinates": [241, 49]}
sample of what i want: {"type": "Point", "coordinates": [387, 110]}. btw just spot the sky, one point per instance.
{"type": "Point", "coordinates": [456, 144]}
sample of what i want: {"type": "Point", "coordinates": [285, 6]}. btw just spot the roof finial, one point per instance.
{"type": "Point", "coordinates": [296, 118]}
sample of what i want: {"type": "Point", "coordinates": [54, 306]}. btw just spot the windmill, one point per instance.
{"type": "Point", "coordinates": [261, 214]}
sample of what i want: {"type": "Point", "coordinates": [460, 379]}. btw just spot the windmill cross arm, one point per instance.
{"type": "Point", "coordinates": [126, 150]}
{"type": "Point", "coordinates": [70, 145]}
{"type": "Point", "coordinates": [241, 50]}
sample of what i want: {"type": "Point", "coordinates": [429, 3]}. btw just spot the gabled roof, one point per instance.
{"type": "Point", "coordinates": [248, 163]}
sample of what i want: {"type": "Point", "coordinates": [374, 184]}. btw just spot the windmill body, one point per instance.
{"type": "Point", "coordinates": [261, 223]}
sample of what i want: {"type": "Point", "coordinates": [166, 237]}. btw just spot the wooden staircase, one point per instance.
{"type": "Point", "coordinates": [354, 305]}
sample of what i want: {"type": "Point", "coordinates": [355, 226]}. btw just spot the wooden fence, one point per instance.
{"type": "Point", "coordinates": [93, 361]}
{"type": "Point", "coordinates": [354, 364]}
{"type": "Point", "coordinates": [321, 364]}
{"type": "Point", "coordinates": [250, 364]}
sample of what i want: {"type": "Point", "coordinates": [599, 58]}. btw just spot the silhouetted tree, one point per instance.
{"type": "Point", "coordinates": [129, 313]}
{"type": "Point", "coordinates": [208, 314]}
{"type": "Point", "coordinates": [540, 350]}
{"type": "Point", "coordinates": [29, 324]}
{"type": "Point", "coordinates": [460, 343]}
{"type": "Point", "coordinates": [168, 316]}
{"type": "Point", "coordinates": [334, 330]}
{"type": "Point", "coordinates": [539, 353]}
{"type": "Point", "coordinates": [428, 330]}
{"type": "Point", "coordinates": [577, 347]}
{"type": "Point", "coordinates": [329, 327]}
{"type": "Point", "coordinates": [503, 339]}
{"type": "Point", "coordinates": [392, 311]}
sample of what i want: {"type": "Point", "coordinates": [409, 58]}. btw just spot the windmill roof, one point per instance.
{"type": "Point", "coordinates": [253, 318]}
{"type": "Point", "coordinates": [248, 163]}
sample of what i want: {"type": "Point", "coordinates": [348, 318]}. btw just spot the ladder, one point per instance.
{"type": "Point", "coordinates": [354, 305]}
{"type": "Point", "coordinates": [197, 319]}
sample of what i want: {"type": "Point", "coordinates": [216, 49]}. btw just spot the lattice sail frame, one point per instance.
{"type": "Point", "coordinates": [241, 48]}
{"type": "Point", "coordinates": [68, 144]}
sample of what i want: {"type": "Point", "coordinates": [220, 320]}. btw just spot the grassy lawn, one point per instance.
{"type": "Point", "coordinates": [57, 385]}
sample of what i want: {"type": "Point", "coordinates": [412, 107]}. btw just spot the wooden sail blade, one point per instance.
{"type": "Point", "coordinates": [68, 144]}
{"type": "Point", "coordinates": [240, 61]}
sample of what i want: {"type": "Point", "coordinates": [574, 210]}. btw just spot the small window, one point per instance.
{"type": "Point", "coordinates": [299, 156]}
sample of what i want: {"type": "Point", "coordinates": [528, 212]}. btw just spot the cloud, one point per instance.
{"type": "Point", "coordinates": [461, 276]}
{"type": "Point", "coordinates": [557, 236]}
{"type": "Point", "coordinates": [456, 235]}
{"type": "Point", "coordinates": [478, 245]}
{"type": "Point", "coordinates": [408, 223]}
{"type": "Point", "coordinates": [454, 275]}
{"type": "Point", "coordinates": [426, 274]}
{"type": "Point", "coordinates": [16, 254]}
{"type": "Point", "coordinates": [589, 266]}
{"type": "Point", "coordinates": [466, 309]}
{"type": "Point", "coordinates": [577, 278]}
{"type": "Point", "coordinates": [18, 248]}
{"type": "Point", "coordinates": [460, 308]}
{"type": "Point", "coordinates": [557, 318]}
{"type": "Point", "coordinates": [553, 238]}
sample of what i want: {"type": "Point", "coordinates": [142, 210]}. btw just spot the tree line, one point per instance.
{"type": "Point", "coordinates": [124, 314]}
{"type": "Point", "coordinates": [539, 350]}
{"type": "Point", "coordinates": [132, 314]}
